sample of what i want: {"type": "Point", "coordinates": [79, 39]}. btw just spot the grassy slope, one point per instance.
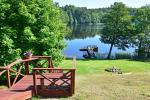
{"type": "Point", "coordinates": [93, 83]}
{"type": "Point", "coordinates": [98, 66]}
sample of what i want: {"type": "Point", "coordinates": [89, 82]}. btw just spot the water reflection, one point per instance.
{"type": "Point", "coordinates": [83, 31]}
{"type": "Point", "coordinates": [83, 35]}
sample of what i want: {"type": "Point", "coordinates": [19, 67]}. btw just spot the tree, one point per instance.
{"type": "Point", "coordinates": [30, 25]}
{"type": "Point", "coordinates": [82, 15]}
{"type": "Point", "coordinates": [117, 27]}
{"type": "Point", "coordinates": [142, 29]}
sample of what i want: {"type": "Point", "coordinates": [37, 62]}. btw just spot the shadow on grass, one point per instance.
{"type": "Point", "coordinates": [140, 60]}
{"type": "Point", "coordinates": [137, 60]}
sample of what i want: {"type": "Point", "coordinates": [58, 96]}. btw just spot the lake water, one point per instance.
{"type": "Point", "coordinates": [83, 35]}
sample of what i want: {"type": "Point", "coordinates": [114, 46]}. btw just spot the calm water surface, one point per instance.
{"type": "Point", "coordinates": [83, 35]}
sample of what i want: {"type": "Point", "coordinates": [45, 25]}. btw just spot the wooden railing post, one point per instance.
{"type": "Point", "coordinates": [50, 64]}
{"type": "Point", "coordinates": [74, 62]}
{"type": "Point", "coordinates": [8, 78]}
{"type": "Point", "coordinates": [27, 67]}
{"type": "Point", "coordinates": [72, 81]}
{"type": "Point", "coordinates": [34, 82]}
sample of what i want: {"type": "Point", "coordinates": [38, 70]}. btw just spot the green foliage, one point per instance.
{"type": "Point", "coordinates": [117, 27]}
{"type": "Point", "coordinates": [123, 55]}
{"type": "Point", "coordinates": [30, 25]}
{"type": "Point", "coordinates": [82, 15]}
{"type": "Point", "coordinates": [142, 28]}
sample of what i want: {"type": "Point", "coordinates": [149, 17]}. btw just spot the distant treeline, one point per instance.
{"type": "Point", "coordinates": [82, 15]}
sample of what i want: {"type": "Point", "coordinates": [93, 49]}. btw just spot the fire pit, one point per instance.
{"type": "Point", "coordinates": [114, 70]}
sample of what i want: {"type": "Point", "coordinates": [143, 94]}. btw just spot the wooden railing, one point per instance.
{"type": "Point", "coordinates": [17, 66]}
{"type": "Point", "coordinates": [58, 77]}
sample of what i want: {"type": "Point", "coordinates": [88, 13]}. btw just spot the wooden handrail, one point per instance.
{"type": "Point", "coordinates": [53, 69]}
{"type": "Point", "coordinates": [2, 72]}
{"type": "Point", "coordinates": [3, 68]}
{"type": "Point", "coordinates": [41, 57]}
{"type": "Point", "coordinates": [16, 72]}
{"type": "Point", "coordinates": [25, 60]}
{"type": "Point", "coordinates": [9, 68]}
{"type": "Point", "coordinates": [54, 80]}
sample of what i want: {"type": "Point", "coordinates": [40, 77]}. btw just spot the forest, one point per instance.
{"type": "Point", "coordinates": [124, 27]}
{"type": "Point", "coordinates": [40, 27]}
{"type": "Point", "coordinates": [82, 15]}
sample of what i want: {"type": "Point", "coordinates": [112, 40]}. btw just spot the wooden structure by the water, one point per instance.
{"type": "Point", "coordinates": [39, 81]}
{"type": "Point", "coordinates": [89, 51]}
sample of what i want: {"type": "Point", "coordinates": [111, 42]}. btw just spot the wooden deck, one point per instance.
{"type": "Point", "coordinates": [23, 89]}
{"type": "Point", "coordinates": [48, 82]}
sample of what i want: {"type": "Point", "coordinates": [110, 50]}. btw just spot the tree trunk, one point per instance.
{"type": "Point", "coordinates": [108, 57]}
{"type": "Point", "coordinates": [139, 49]}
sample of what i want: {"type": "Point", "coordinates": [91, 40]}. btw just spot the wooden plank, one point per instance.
{"type": "Point", "coordinates": [3, 68]}
{"type": "Point", "coordinates": [30, 59]}
{"type": "Point", "coordinates": [54, 69]}
{"type": "Point", "coordinates": [23, 88]}
{"type": "Point", "coordinates": [17, 75]}
{"type": "Point", "coordinates": [26, 64]}
{"type": "Point", "coordinates": [2, 72]}
{"type": "Point", "coordinates": [14, 63]}
{"type": "Point", "coordinates": [41, 56]}
{"type": "Point", "coordinates": [8, 78]}
{"type": "Point", "coordinates": [16, 72]}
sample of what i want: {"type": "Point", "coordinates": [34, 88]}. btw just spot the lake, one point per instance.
{"type": "Point", "coordinates": [83, 35]}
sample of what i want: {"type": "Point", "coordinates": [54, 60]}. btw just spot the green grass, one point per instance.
{"type": "Point", "coordinates": [98, 66]}
{"type": "Point", "coordinates": [93, 83]}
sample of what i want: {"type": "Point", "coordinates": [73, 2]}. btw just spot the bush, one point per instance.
{"type": "Point", "coordinates": [123, 55]}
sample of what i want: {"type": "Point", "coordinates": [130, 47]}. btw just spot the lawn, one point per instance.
{"type": "Point", "coordinates": [98, 66]}
{"type": "Point", "coordinates": [93, 83]}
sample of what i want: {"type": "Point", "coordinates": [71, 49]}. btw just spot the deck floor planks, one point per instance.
{"type": "Point", "coordinates": [23, 88]}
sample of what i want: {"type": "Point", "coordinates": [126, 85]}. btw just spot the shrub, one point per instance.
{"type": "Point", "coordinates": [123, 55]}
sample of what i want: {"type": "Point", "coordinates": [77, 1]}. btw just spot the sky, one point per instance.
{"type": "Point", "coordinates": [102, 3]}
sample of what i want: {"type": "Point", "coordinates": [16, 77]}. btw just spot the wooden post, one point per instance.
{"type": "Point", "coordinates": [42, 82]}
{"type": "Point", "coordinates": [73, 79]}
{"type": "Point", "coordinates": [27, 67]}
{"type": "Point", "coordinates": [34, 82]}
{"type": "Point", "coordinates": [50, 64]}
{"type": "Point", "coordinates": [72, 82]}
{"type": "Point", "coordinates": [8, 78]}
{"type": "Point", "coordinates": [74, 62]}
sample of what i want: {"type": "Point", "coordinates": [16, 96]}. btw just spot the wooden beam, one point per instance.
{"type": "Point", "coordinates": [3, 68]}
{"type": "Point", "coordinates": [74, 62]}
{"type": "Point", "coordinates": [8, 78]}
{"type": "Point", "coordinates": [54, 68]}
{"type": "Point", "coordinates": [17, 75]}
{"type": "Point", "coordinates": [26, 64]}
{"type": "Point", "coordinates": [34, 83]}
{"type": "Point", "coordinates": [72, 82]}
{"type": "Point", "coordinates": [73, 79]}
{"type": "Point", "coordinates": [16, 72]}
{"type": "Point", "coordinates": [2, 72]}
{"type": "Point", "coordinates": [50, 64]}
{"type": "Point", "coordinates": [14, 63]}
{"type": "Point", "coordinates": [41, 57]}
{"type": "Point", "coordinates": [30, 59]}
